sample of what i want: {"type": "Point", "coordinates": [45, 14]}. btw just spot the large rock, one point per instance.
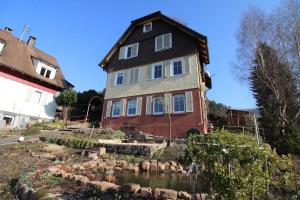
{"type": "Point", "coordinates": [104, 186]}
{"type": "Point", "coordinates": [90, 164]}
{"type": "Point", "coordinates": [201, 196]}
{"type": "Point", "coordinates": [132, 168]}
{"type": "Point", "coordinates": [80, 180]}
{"type": "Point", "coordinates": [161, 166]}
{"type": "Point", "coordinates": [145, 166]}
{"type": "Point", "coordinates": [173, 169]}
{"type": "Point", "coordinates": [102, 151]}
{"type": "Point", "coordinates": [131, 188]}
{"type": "Point", "coordinates": [173, 163]}
{"type": "Point", "coordinates": [165, 194]}
{"type": "Point", "coordinates": [153, 166]}
{"type": "Point", "coordinates": [146, 191]}
{"type": "Point", "coordinates": [184, 195]}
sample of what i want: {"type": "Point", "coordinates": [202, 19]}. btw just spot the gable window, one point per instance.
{"type": "Point", "coordinates": [179, 103]}
{"type": "Point", "coordinates": [178, 67]}
{"type": "Point", "coordinates": [158, 106]}
{"type": "Point", "coordinates": [131, 107]}
{"type": "Point", "coordinates": [2, 45]}
{"type": "Point", "coordinates": [147, 27]}
{"type": "Point", "coordinates": [116, 109]}
{"type": "Point", "coordinates": [129, 51]}
{"type": "Point", "coordinates": [163, 42]}
{"type": "Point", "coordinates": [157, 71]}
{"type": "Point", "coordinates": [120, 78]}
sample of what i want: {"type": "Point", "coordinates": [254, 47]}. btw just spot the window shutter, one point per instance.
{"type": "Point", "coordinates": [139, 105]}
{"type": "Point", "coordinates": [123, 107]}
{"type": "Point", "coordinates": [167, 40]}
{"type": "Point", "coordinates": [131, 76]}
{"type": "Point", "coordinates": [29, 95]}
{"type": "Point", "coordinates": [148, 105]}
{"type": "Point", "coordinates": [149, 72]}
{"type": "Point", "coordinates": [136, 75]}
{"type": "Point", "coordinates": [167, 68]}
{"type": "Point", "coordinates": [168, 102]}
{"type": "Point", "coordinates": [189, 101]}
{"type": "Point", "coordinates": [113, 79]}
{"type": "Point", "coordinates": [126, 76]}
{"type": "Point", "coordinates": [158, 42]}
{"type": "Point", "coordinates": [186, 65]}
{"type": "Point", "coordinates": [135, 49]}
{"type": "Point", "coordinates": [121, 53]}
{"type": "Point", "coordinates": [108, 108]}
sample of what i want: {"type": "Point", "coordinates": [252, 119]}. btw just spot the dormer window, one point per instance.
{"type": "Point", "coordinates": [44, 69]}
{"type": "Point", "coordinates": [45, 72]}
{"type": "Point", "coordinates": [2, 45]}
{"type": "Point", "coordinates": [147, 27]}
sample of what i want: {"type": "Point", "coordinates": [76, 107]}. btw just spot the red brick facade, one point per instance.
{"type": "Point", "coordinates": [159, 124]}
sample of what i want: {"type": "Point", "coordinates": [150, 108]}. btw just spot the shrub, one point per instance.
{"type": "Point", "coordinates": [176, 152]}
{"type": "Point", "coordinates": [32, 131]}
{"type": "Point", "coordinates": [73, 142]}
{"type": "Point", "coordinates": [235, 167]}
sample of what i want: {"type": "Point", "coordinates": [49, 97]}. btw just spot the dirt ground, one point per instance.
{"type": "Point", "coordinates": [16, 161]}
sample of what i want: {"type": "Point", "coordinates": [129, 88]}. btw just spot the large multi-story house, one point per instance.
{"type": "Point", "coordinates": [29, 80]}
{"type": "Point", "coordinates": [155, 70]}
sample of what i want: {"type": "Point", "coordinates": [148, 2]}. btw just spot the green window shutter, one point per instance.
{"type": "Point", "coordinates": [167, 68]}
{"type": "Point", "coordinates": [123, 107]}
{"type": "Point", "coordinates": [139, 105]}
{"type": "Point", "coordinates": [121, 53]}
{"type": "Point", "coordinates": [148, 105]}
{"type": "Point", "coordinates": [186, 65]}
{"type": "Point", "coordinates": [149, 72]}
{"type": "Point", "coordinates": [189, 101]}
{"type": "Point", "coordinates": [135, 49]}
{"type": "Point", "coordinates": [112, 79]}
{"type": "Point", "coordinates": [108, 108]}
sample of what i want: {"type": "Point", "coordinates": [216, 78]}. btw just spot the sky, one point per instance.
{"type": "Point", "coordinates": [79, 33]}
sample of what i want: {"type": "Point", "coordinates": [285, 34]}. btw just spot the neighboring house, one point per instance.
{"type": "Point", "coordinates": [29, 80]}
{"type": "Point", "coordinates": [157, 65]}
{"type": "Point", "coordinates": [241, 117]}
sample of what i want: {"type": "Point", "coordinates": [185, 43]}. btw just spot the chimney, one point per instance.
{"type": "Point", "coordinates": [31, 41]}
{"type": "Point", "coordinates": [8, 30]}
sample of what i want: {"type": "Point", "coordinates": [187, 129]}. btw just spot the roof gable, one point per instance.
{"type": "Point", "coordinates": [202, 40]}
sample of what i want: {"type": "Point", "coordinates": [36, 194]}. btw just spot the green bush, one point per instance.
{"type": "Point", "coordinates": [235, 167]}
{"type": "Point", "coordinates": [49, 125]}
{"type": "Point", "coordinates": [32, 131]}
{"type": "Point", "coordinates": [73, 142]}
{"type": "Point", "coordinates": [109, 134]}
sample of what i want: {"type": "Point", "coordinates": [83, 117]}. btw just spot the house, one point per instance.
{"type": "Point", "coordinates": [155, 70]}
{"type": "Point", "coordinates": [29, 81]}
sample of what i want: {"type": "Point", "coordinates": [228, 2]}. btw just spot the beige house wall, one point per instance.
{"type": "Point", "coordinates": [146, 86]}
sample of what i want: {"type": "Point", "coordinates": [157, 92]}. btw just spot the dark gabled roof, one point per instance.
{"type": "Point", "coordinates": [154, 16]}
{"type": "Point", "coordinates": [17, 56]}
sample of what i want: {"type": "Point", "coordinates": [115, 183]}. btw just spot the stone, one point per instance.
{"type": "Point", "coordinates": [80, 180]}
{"type": "Point", "coordinates": [92, 155]}
{"type": "Point", "coordinates": [201, 196]}
{"type": "Point", "coordinates": [145, 166]}
{"type": "Point", "coordinates": [184, 195]}
{"type": "Point", "coordinates": [173, 163]}
{"type": "Point", "coordinates": [146, 191]}
{"type": "Point", "coordinates": [161, 166]}
{"type": "Point", "coordinates": [132, 168]}
{"type": "Point", "coordinates": [65, 169]}
{"type": "Point", "coordinates": [118, 168]}
{"type": "Point", "coordinates": [153, 167]}
{"type": "Point", "coordinates": [110, 178]}
{"type": "Point", "coordinates": [102, 151]}
{"type": "Point", "coordinates": [173, 169]}
{"type": "Point", "coordinates": [122, 163]}
{"type": "Point", "coordinates": [76, 166]}
{"type": "Point", "coordinates": [90, 164]}
{"type": "Point", "coordinates": [131, 188]}
{"type": "Point", "coordinates": [104, 186]}
{"type": "Point", "coordinates": [53, 169]}
{"type": "Point", "coordinates": [179, 168]}
{"type": "Point", "coordinates": [169, 194]}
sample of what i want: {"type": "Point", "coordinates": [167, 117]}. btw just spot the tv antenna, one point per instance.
{"type": "Point", "coordinates": [26, 29]}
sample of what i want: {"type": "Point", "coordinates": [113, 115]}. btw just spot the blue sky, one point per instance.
{"type": "Point", "coordinates": [79, 33]}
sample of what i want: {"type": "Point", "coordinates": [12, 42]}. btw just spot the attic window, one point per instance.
{"type": "Point", "coordinates": [2, 45]}
{"type": "Point", "coordinates": [147, 27]}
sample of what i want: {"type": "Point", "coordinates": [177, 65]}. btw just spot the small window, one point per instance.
{"type": "Point", "coordinates": [157, 71]}
{"type": "Point", "coordinates": [2, 45]}
{"type": "Point", "coordinates": [120, 78]}
{"type": "Point", "coordinates": [36, 97]}
{"type": "Point", "coordinates": [147, 27]}
{"type": "Point", "coordinates": [179, 103]}
{"type": "Point", "coordinates": [158, 105]}
{"type": "Point", "coordinates": [163, 42]}
{"type": "Point", "coordinates": [178, 67]}
{"type": "Point", "coordinates": [43, 71]}
{"type": "Point", "coordinates": [131, 108]}
{"type": "Point", "coordinates": [46, 72]}
{"type": "Point", "coordinates": [116, 109]}
{"type": "Point", "coordinates": [129, 52]}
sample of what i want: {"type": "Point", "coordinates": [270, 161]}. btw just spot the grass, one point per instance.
{"type": "Point", "coordinates": [49, 125]}
{"type": "Point", "coordinates": [73, 142]}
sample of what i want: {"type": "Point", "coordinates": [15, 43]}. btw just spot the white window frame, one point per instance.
{"type": "Point", "coordinates": [163, 42]}
{"type": "Point", "coordinates": [116, 78]}
{"type": "Point", "coordinates": [182, 65]}
{"type": "Point", "coordinates": [183, 96]}
{"type": "Point", "coordinates": [2, 45]}
{"type": "Point", "coordinates": [113, 107]}
{"type": "Point", "coordinates": [153, 70]}
{"type": "Point", "coordinates": [126, 51]}
{"type": "Point", "coordinates": [153, 106]}
{"type": "Point", "coordinates": [47, 68]}
{"type": "Point", "coordinates": [132, 100]}
{"type": "Point", "coordinates": [145, 25]}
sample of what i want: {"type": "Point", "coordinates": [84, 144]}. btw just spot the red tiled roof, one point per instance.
{"type": "Point", "coordinates": [18, 56]}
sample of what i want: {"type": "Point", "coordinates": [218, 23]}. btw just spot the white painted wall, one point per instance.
{"type": "Point", "coordinates": [15, 98]}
